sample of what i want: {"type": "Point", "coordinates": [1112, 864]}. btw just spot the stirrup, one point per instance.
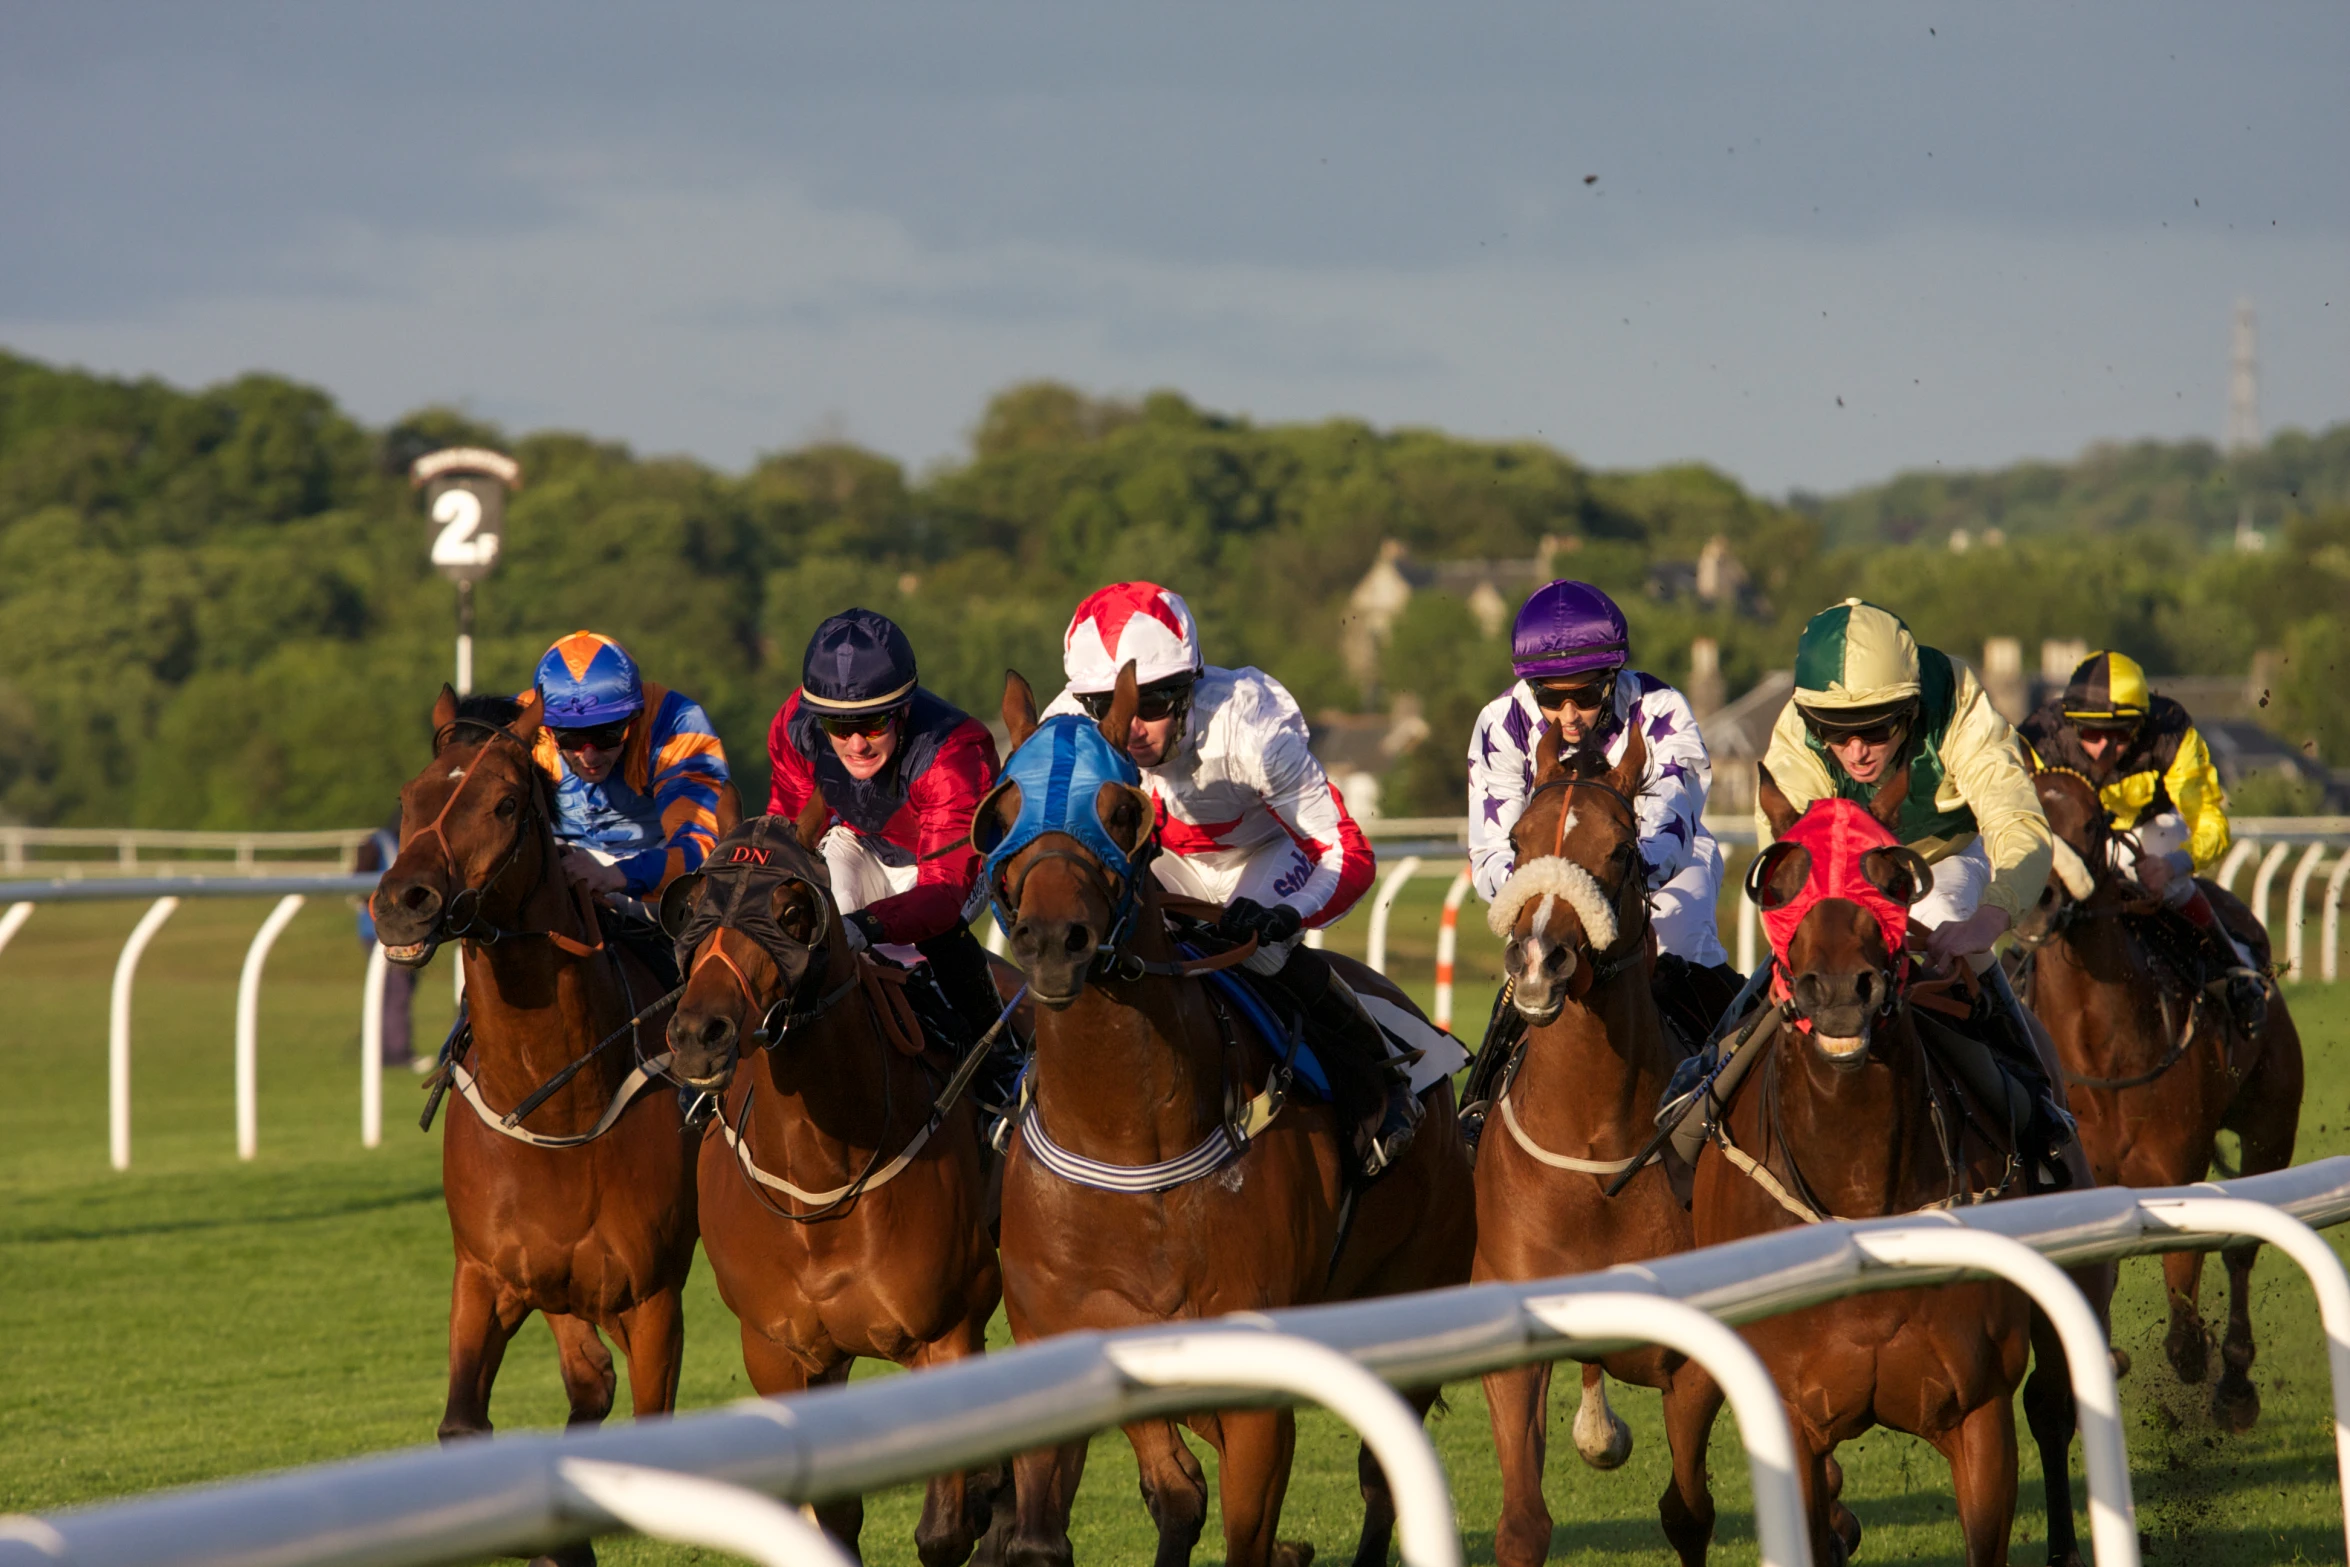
{"type": "Point", "coordinates": [1399, 1123]}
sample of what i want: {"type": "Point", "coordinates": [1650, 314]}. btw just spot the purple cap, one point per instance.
{"type": "Point", "coordinates": [1568, 628]}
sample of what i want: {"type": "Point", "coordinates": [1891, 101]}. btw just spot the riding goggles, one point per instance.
{"type": "Point", "coordinates": [1153, 702]}
{"type": "Point", "coordinates": [843, 725]}
{"type": "Point", "coordinates": [1585, 696]}
{"type": "Point", "coordinates": [1870, 726]}
{"type": "Point", "coordinates": [603, 737]}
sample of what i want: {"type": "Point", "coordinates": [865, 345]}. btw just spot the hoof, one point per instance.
{"type": "Point", "coordinates": [2190, 1355]}
{"type": "Point", "coordinates": [1292, 1553]}
{"type": "Point", "coordinates": [1846, 1528]}
{"type": "Point", "coordinates": [1607, 1446]}
{"type": "Point", "coordinates": [580, 1555]}
{"type": "Point", "coordinates": [2121, 1363]}
{"type": "Point", "coordinates": [2235, 1403]}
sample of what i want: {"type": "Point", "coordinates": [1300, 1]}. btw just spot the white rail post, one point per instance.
{"type": "Point", "coordinates": [995, 937]}
{"type": "Point", "coordinates": [2242, 850]}
{"type": "Point", "coordinates": [2236, 1216]}
{"type": "Point", "coordinates": [693, 1511]}
{"type": "Point", "coordinates": [2295, 891]}
{"type": "Point", "coordinates": [371, 1048]}
{"type": "Point", "coordinates": [118, 1032]}
{"type": "Point", "coordinates": [2330, 933]}
{"type": "Point", "coordinates": [1405, 868]}
{"type": "Point", "coordinates": [1426, 1532]}
{"type": "Point", "coordinates": [18, 913]}
{"type": "Point", "coordinates": [2113, 1517]}
{"type": "Point", "coordinates": [2262, 877]}
{"type": "Point", "coordinates": [249, 1023]}
{"type": "Point", "coordinates": [1781, 1531]}
{"type": "Point", "coordinates": [1448, 945]}
{"type": "Point", "coordinates": [1747, 957]}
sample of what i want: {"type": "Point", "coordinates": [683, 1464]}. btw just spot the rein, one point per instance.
{"type": "Point", "coordinates": [510, 1124]}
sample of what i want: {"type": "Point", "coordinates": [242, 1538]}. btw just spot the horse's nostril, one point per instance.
{"type": "Point", "coordinates": [717, 1031]}
{"type": "Point", "coordinates": [415, 896]}
{"type": "Point", "coordinates": [1079, 939]}
{"type": "Point", "coordinates": [1555, 959]}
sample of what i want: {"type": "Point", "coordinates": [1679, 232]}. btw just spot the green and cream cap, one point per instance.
{"type": "Point", "coordinates": [1853, 657]}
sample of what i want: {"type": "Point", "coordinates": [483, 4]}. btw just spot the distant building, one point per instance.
{"type": "Point", "coordinates": [1355, 749]}
{"type": "Point", "coordinates": [1492, 589]}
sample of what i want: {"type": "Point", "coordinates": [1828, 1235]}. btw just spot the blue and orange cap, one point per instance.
{"type": "Point", "coordinates": [587, 679]}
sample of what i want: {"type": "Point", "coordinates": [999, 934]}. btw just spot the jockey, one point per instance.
{"type": "Point", "coordinates": [902, 771]}
{"type": "Point", "coordinates": [1870, 702]}
{"type": "Point", "coordinates": [2154, 775]}
{"type": "Point", "coordinates": [1246, 816]}
{"type": "Point", "coordinates": [638, 770]}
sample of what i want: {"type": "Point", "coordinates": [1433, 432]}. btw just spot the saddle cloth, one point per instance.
{"type": "Point", "coordinates": [1441, 1055]}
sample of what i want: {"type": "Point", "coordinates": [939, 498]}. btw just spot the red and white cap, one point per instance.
{"type": "Point", "coordinates": [1130, 620]}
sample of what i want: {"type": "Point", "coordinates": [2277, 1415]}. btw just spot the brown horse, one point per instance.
{"type": "Point", "coordinates": [595, 1231]}
{"type": "Point", "coordinates": [1848, 1119]}
{"type": "Point", "coordinates": [2156, 1071]}
{"type": "Point", "coordinates": [1139, 1067]}
{"type": "Point", "coordinates": [1576, 1115]}
{"type": "Point", "coordinates": [841, 1215]}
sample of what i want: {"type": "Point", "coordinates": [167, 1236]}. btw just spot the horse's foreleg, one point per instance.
{"type": "Point", "coordinates": [1981, 1452]}
{"type": "Point", "coordinates": [2048, 1409]}
{"type": "Point", "coordinates": [2235, 1403]}
{"type": "Point", "coordinates": [1519, 1402]}
{"type": "Point", "coordinates": [1174, 1488]}
{"type": "Point", "coordinates": [1686, 1509]}
{"type": "Point", "coordinates": [955, 1506]}
{"type": "Point", "coordinates": [587, 1369]}
{"type": "Point", "coordinates": [1378, 1495]}
{"type": "Point", "coordinates": [2265, 1116]}
{"type": "Point", "coordinates": [479, 1330]}
{"type": "Point", "coordinates": [2182, 1276]}
{"type": "Point", "coordinates": [1044, 1485]}
{"type": "Point", "coordinates": [1252, 1477]}
{"type": "Point", "coordinates": [652, 1332]}
{"type": "Point", "coordinates": [775, 1372]}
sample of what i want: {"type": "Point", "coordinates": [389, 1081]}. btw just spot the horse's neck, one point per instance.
{"type": "Point", "coordinates": [1595, 1073]}
{"type": "Point", "coordinates": [1863, 1141]}
{"type": "Point", "coordinates": [835, 1085]}
{"type": "Point", "coordinates": [1136, 1073]}
{"type": "Point", "coordinates": [2099, 989]}
{"type": "Point", "coordinates": [536, 1008]}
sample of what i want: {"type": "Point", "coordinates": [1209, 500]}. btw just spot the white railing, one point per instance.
{"type": "Point", "coordinates": [244, 849]}
{"type": "Point", "coordinates": [19, 898]}
{"type": "Point", "coordinates": [518, 1495]}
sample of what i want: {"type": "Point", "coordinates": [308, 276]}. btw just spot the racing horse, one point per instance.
{"type": "Point", "coordinates": [1843, 1114]}
{"type": "Point", "coordinates": [570, 1190]}
{"type": "Point", "coordinates": [1157, 1173]}
{"type": "Point", "coordinates": [884, 1252]}
{"type": "Point", "coordinates": [1572, 1119]}
{"type": "Point", "coordinates": [2154, 1070]}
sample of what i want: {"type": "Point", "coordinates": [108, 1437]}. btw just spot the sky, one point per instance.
{"type": "Point", "coordinates": [1811, 245]}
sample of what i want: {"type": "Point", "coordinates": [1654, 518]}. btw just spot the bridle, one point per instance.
{"type": "Point", "coordinates": [461, 916]}
{"type": "Point", "coordinates": [1631, 943]}
{"type": "Point", "coordinates": [777, 1018]}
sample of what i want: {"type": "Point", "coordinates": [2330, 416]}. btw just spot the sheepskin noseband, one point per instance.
{"type": "Point", "coordinates": [1553, 877]}
{"type": "Point", "coordinates": [2072, 871]}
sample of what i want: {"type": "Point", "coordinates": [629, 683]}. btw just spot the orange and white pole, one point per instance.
{"type": "Point", "coordinates": [1448, 941]}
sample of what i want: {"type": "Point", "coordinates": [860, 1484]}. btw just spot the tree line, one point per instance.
{"type": "Point", "coordinates": [216, 608]}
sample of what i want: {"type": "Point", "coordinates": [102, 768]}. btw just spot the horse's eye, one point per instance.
{"type": "Point", "coordinates": [507, 807]}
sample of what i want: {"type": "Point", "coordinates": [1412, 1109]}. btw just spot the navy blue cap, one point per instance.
{"type": "Point", "coordinates": [858, 661]}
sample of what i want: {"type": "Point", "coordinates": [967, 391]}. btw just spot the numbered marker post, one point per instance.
{"type": "Point", "coordinates": [465, 496]}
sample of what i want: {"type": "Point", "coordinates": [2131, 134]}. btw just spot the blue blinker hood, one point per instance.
{"type": "Point", "coordinates": [1059, 769]}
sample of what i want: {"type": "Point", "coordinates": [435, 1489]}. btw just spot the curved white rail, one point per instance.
{"type": "Point", "coordinates": [371, 1048]}
{"type": "Point", "coordinates": [13, 921]}
{"type": "Point", "coordinates": [1448, 946]}
{"type": "Point", "coordinates": [692, 1511]}
{"type": "Point", "coordinates": [2295, 891]}
{"type": "Point", "coordinates": [1283, 1363]}
{"type": "Point", "coordinates": [2113, 1517]}
{"type": "Point", "coordinates": [1780, 1531]}
{"type": "Point", "coordinates": [2330, 934]}
{"type": "Point", "coordinates": [1747, 937]}
{"type": "Point", "coordinates": [249, 1022]}
{"type": "Point", "coordinates": [118, 1032]}
{"type": "Point", "coordinates": [1405, 869]}
{"type": "Point", "coordinates": [2262, 877]}
{"type": "Point", "coordinates": [2242, 850]}
{"type": "Point", "coordinates": [2221, 1215]}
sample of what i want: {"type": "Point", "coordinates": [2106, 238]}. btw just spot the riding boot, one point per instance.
{"type": "Point", "coordinates": [2052, 1156]}
{"type": "Point", "coordinates": [959, 964]}
{"type": "Point", "coordinates": [1336, 1017]}
{"type": "Point", "coordinates": [2247, 987]}
{"type": "Point", "coordinates": [1504, 1032]}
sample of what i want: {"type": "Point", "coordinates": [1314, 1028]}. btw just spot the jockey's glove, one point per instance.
{"type": "Point", "coordinates": [862, 929]}
{"type": "Point", "coordinates": [1273, 927]}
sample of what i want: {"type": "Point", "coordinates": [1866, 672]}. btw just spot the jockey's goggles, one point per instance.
{"type": "Point", "coordinates": [1585, 696]}
{"type": "Point", "coordinates": [843, 725]}
{"type": "Point", "coordinates": [603, 737]}
{"type": "Point", "coordinates": [1870, 726]}
{"type": "Point", "coordinates": [1164, 699]}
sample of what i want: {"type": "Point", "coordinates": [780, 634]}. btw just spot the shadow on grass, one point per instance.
{"type": "Point", "coordinates": [55, 1234]}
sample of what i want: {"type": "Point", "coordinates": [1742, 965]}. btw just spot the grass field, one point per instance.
{"type": "Point", "coordinates": [196, 1318]}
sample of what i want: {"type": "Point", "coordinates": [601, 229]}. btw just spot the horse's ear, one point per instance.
{"type": "Point", "coordinates": [525, 727]}
{"type": "Point", "coordinates": [1778, 874]}
{"type": "Point", "coordinates": [1901, 874]}
{"type": "Point", "coordinates": [1019, 708]}
{"type": "Point", "coordinates": [1885, 804]}
{"type": "Point", "coordinates": [1118, 723]}
{"type": "Point", "coordinates": [795, 909]}
{"type": "Point", "coordinates": [1625, 776]}
{"type": "Point", "coordinates": [1546, 755]}
{"type": "Point", "coordinates": [1777, 809]}
{"type": "Point", "coordinates": [444, 712]}
{"type": "Point", "coordinates": [677, 903]}
{"type": "Point", "coordinates": [1127, 814]}
{"type": "Point", "coordinates": [808, 827]}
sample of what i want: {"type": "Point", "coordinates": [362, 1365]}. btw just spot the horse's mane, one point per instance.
{"type": "Point", "coordinates": [476, 715]}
